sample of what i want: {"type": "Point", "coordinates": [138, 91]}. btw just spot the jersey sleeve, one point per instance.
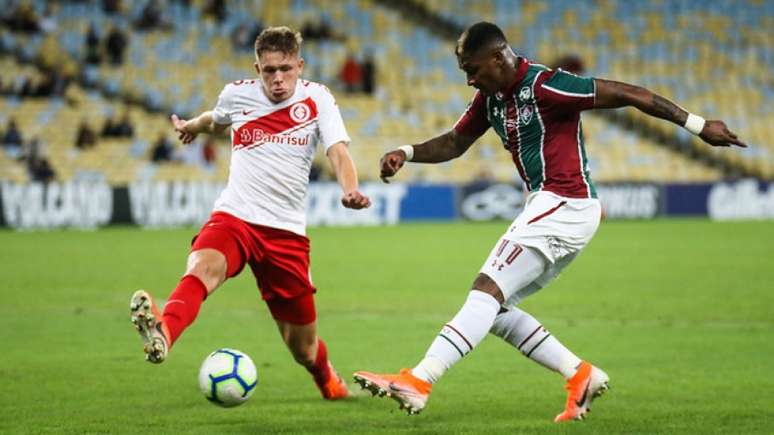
{"type": "Point", "coordinates": [568, 92]}
{"type": "Point", "coordinates": [221, 114]}
{"type": "Point", "coordinates": [331, 124]}
{"type": "Point", "coordinates": [473, 122]}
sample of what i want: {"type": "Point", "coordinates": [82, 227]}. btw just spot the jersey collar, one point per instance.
{"type": "Point", "coordinates": [522, 66]}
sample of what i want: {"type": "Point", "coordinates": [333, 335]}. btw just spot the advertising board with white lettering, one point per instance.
{"type": "Point", "coordinates": [90, 205]}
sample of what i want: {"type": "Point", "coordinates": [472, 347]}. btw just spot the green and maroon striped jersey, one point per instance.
{"type": "Point", "coordinates": [538, 120]}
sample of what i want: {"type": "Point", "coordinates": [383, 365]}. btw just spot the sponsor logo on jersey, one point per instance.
{"type": "Point", "coordinates": [253, 136]}
{"type": "Point", "coordinates": [300, 112]}
{"type": "Point", "coordinates": [525, 93]}
{"type": "Point", "coordinates": [286, 126]}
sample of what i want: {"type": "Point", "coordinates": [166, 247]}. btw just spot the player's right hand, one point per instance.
{"type": "Point", "coordinates": [391, 164]}
{"type": "Point", "coordinates": [181, 127]}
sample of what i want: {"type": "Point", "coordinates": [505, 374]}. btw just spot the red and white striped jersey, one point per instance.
{"type": "Point", "coordinates": [272, 150]}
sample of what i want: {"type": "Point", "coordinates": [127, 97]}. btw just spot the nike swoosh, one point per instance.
{"type": "Point", "coordinates": [247, 112]}
{"type": "Point", "coordinates": [408, 392]}
{"type": "Point", "coordinates": [585, 393]}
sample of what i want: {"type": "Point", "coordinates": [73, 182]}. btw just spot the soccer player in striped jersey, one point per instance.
{"type": "Point", "coordinates": [536, 113]}
{"type": "Point", "coordinates": [276, 122]}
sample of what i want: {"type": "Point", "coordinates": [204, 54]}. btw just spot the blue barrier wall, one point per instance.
{"type": "Point", "coordinates": [162, 204]}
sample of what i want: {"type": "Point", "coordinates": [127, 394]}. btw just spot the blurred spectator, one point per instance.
{"type": "Point", "coordinates": [315, 171]}
{"type": "Point", "coordinates": [110, 128]}
{"type": "Point", "coordinates": [115, 45]}
{"type": "Point", "coordinates": [12, 140]}
{"type": "Point", "coordinates": [40, 170]}
{"type": "Point", "coordinates": [93, 53]}
{"type": "Point", "coordinates": [85, 137]}
{"type": "Point", "coordinates": [162, 150]}
{"type": "Point", "coordinates": [46, 84]}
{"type": "Point", "coordinates": [111, 7]}
{"type": "Point", "coordinates": [570, 63]}
{"type": "Point", "coordinates": [320, 30]}
{"type": "Point", "coordinates": [369, 74]}
{"type": "Point", "coordinates": [243, 37]}
{"type": "Point", "coordinates": [351, 74]}
{"type": "Point", "coordinates": [215, 9]}
{"type": "Point", "coordinates": [122, 128]}
{"type": "Point", "coordinates": [209, 154]}
{"type": "Point", "coordinates": [151, 17]}
{"type": "Point", "coordinates": [33, 150]}
{"type": "Point", "coordinates": [48, 22]}
{"type": "Point", "coordinates": [12, 136]}
{"type": "Point", "coordinates": [23, 19]}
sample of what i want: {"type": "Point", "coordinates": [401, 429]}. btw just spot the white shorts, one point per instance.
{"type": "Point", "coordinates": [552, 230]}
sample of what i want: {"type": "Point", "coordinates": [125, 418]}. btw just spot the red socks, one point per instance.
{"type": "Point", "coordinates": [320, 370]}
{"type": "Point", "coordinates": [183, 305]}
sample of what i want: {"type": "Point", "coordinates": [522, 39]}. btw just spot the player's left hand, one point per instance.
{"type": "Point", "coordinates": [181, 126]}
{"type": "Point", "coordinates": [355, 200]}
{"type": "Point", "coordinates": [716, 133]}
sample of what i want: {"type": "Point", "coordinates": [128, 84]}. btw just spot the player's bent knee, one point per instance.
{"type": "Point", "coordinates": [487, 285]}
{"type": "Point", "coordinates": [209, 265]}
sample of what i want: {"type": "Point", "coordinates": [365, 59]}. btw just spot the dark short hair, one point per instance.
{"type": "Point", "coordinates": [477, 36]}
{"type": "Point", "coordinates": [281, 38]}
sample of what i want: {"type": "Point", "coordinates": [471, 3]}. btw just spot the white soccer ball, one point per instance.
{"type": "Point", "coordinates": [228, 377]}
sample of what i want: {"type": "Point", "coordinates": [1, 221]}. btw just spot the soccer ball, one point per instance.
{"type": "Point", "coordinates": [228, 377]}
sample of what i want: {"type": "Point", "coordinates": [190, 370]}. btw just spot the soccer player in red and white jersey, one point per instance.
{"type": "Point", "coordinates": [276, 123]}
{"type": "Point", "coordinates": [536, 113]}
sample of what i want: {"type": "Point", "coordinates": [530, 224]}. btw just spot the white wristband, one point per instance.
{"type": "Point", "coordinates": [694, 123]}
{"type": "Point", "coordinates": [409, 150]}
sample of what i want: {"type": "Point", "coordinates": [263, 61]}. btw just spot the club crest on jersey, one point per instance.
{"type": "Point", "coordinates": [300, 112]}
{"type": "Point", "coordinates": [525, 114]}
{"type": "Point", "coordinates": [525, 93]}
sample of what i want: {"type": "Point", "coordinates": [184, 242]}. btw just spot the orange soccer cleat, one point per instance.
{"type": "Point", "coordinates": [146, 318]}
{"type": "Point", "coordinates": [405, 388]}
{"type": "Point", "coordinates": [587, 384]}
{"type": "Point", "coordinates": [335, 388]}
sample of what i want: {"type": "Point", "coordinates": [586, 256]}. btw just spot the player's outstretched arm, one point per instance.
{"type": "Point", "coordinates": [346, 174]}
{"type": "Point", "coordinates": [441, 148]}
{"type": "Point", "coordinates": [611, 94]}
{"type": "Point", "coordinates": [188, 130]}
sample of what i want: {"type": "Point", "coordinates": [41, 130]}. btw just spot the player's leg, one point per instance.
{"type": "Point", "coordinates": [215, 255]}
{"type": "Point", "coordinates": [517, 327]}
{"type": "Point", "coordinates": [296, 320]}
{"type": "Point", "coordinates": [283, 277]}
{"type": "Point", "coordinates": [458, 337]}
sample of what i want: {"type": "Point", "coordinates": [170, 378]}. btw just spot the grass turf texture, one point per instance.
{"type": "Point", "coordinates": [679, 313]}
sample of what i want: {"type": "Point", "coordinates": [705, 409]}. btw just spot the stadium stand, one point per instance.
{"type": "Point", "coordinates": [714, 59]}
{"type": "Point", "coordinates": [420, 92]}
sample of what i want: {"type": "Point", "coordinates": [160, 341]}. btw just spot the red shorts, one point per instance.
{"type": "Point", "coordinates": [278, 258]}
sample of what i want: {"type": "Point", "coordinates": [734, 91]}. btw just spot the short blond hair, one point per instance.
{"type": "Point", "coordinates": [280, 38]}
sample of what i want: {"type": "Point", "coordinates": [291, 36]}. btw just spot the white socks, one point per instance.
{"type": "Point", "coordinates": [526, 334]}
{"type": "Point", "coordinates": [458, 337]}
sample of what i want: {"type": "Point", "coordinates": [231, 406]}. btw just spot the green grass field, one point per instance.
{"type": "Point", "coordinates": [679, 313]}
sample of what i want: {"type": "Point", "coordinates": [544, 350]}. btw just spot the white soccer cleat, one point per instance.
{"type": "Point", "coordinates": [587, 384]}
{"type": "Point", "coordinates": [146, 318]}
